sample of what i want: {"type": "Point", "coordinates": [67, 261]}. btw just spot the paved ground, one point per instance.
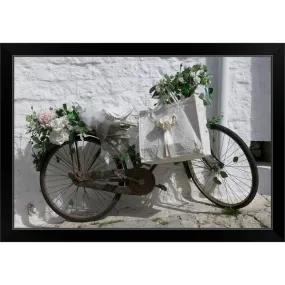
{"type": "Point", "coordinates": [190, 215]}
{"type": "Point", "coordinates": [181, 206]}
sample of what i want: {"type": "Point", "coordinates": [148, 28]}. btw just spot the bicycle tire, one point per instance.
{"type": "Point", "coordinates": [253, 167]}
{"type": "Point", "coordinates": [66, 216]}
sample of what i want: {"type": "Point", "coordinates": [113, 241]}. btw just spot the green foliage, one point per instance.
{"type": "Point", "coordinates": [183, 83]}
{"type": "Point", "coordinates": [40, 133]}
{"type": "Point", "coordinates": [160, 221]}
{"type": "Point", "coordinates": [217, 181]}
{"type": "Point", "coordinates": [132, 154]}
{"type": "Point", "coordinates": [231, 212]}
{"type": "Point", "coordinates": [214, 120]}
{"type": "Point", "coordinates": [101, 224]}
{"type": "Point", "coordinates": [223, 174]}
{"type": "Point", "coordinates": [235, 159]}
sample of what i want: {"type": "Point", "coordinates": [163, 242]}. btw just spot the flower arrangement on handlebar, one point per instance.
{"type": "Point", "coordinates": [54, 127]}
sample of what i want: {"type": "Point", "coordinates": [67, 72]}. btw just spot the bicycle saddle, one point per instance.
{"type": "Point", "coordinates": [118, 113]}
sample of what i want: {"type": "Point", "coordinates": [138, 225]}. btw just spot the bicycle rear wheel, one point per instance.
{"type": "Point", "coordinates": [229, 177]}
{"type": "Point", "coordinates": [78, 204]}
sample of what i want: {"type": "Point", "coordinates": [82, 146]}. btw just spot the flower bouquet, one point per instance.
{"type": "Point", "coordinates": [54, 127]}
{"type": "Point", "coordinates": [183, 84]}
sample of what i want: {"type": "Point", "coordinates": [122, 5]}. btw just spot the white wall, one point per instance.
{"type": "Point", "coordinates": [113, 81]}
{"type": "Point", "coordinates": [51, 81]}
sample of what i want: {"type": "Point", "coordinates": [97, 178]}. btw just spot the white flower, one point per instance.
{"type": "Point", "coordinates": [192, 74]}
{"type": "Point", "coordinates": [197, 79]}
{"type": "Point", "coordinates": [58, 124]}
{"type": "Point", "coordinates": [59, 137]}
{"type": "Point", "coordinates": [199, 72]}
{"type": "Point", "coordinates": [181, 79]}
{"type": "Point", "coordinates": [157, 89]}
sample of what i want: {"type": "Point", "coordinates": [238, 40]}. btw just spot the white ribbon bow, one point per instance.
{"type": "Point", "coordinates": [165, 123]}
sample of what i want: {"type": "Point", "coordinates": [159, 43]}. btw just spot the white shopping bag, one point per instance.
{"type": "Point", "coordinates": [174, 133]}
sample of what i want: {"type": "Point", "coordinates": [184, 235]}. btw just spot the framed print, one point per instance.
{"type": "Point", "coordinates": [142, 142]}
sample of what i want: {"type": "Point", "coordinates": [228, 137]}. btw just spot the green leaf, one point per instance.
{"type": "Point", "coordinates": [64, 107]}
{"type": "Point", "coordinates": [167, 77]}
{"type": "Point", "coordinates": [71, 116]}
{"type": "Point", "coordinates": [76, 117]}
{"type": "Point", "coordinates": [72, 137]}
{"type": "Point", "coordinates": [217, 181]}
{"type": "Point", "coordinates": [122, 158]}
{"type": "Point", "coordinates": [59, 112]}
{"type": "Point", "coordinates": [223, 174]}
{"type": "Point", "coordinates": [37, 146]}
{"type": "Point", "coordinates": [235, 159]}
{"type": "Point", "coordinates": [152, 89]}
{"type": "Point", "coordinates": [171, 86]}
{"type": "Point", "coordinates": [168, 89]}
{"type": "Point", "coordinates": [205, 102]}
{"type": "Point", "coordinates": [211, 90]}
{"type": "Point", "coordinates": [203, 81]}
{"type": "Point", "coordinates": [36, 139]}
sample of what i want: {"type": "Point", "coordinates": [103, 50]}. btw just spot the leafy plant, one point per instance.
{"type": "Point", "coordinates": [214, 120]}
{"type": "Point", "coordinates": [231, 212]}
{"type": "Point", "coordinates": [184, 83]}
{"type": "Point", "coordinates": [101, 224]}
{"type": "Point", "coordinates": [132, 154]}
{"type": "Point", "coordinates": [53, 127]}
{"type": "Point", "coordinates": [160, 221]}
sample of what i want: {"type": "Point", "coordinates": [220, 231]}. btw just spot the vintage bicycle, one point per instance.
{"type": "Point", "coordinates": [84, 180]}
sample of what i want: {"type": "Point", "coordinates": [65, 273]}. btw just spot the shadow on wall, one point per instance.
{"type": "Point", "coordinates": [261, 99]}
{"type": "Point", "coordinates": [27, 194]}
{"type": "Point", "coordinates": [178, 195]}
{"type": "Point", "coordinates": [31, 210]}
{"type": "Point", "coordinates": [213, 68]}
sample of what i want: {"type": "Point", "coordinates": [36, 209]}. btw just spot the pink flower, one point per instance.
{"type": "Point", "coordinates": [46, 117]}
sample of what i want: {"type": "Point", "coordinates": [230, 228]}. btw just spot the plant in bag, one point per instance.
{"type": "Point", "coordinates": [53, 127]}
{"type": "Point", "coordinates": [184, 84]}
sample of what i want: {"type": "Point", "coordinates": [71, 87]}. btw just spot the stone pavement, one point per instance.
{"type": "Point", "coordinates": [181, 206]}
{"type": "Point", "coordinates": [189, 215]}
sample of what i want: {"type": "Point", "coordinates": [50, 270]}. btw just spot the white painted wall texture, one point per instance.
{"type": "Point", "coordinates": [51, 81]}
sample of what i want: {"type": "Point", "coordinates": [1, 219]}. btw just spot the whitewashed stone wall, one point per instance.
{"type": "Point", "coordinates": [51, 81]}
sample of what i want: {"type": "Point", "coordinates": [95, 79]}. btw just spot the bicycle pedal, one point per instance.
{"type": "Point", "coordinates": [162, 187]}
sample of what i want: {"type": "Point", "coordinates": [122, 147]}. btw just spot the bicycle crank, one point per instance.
{"type": "Point", "coordinates": [137, 181]}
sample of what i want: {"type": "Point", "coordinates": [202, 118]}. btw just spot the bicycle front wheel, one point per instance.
{"type": "Point", "coordinates": [78, 204]}
{"type": "Point", "coordinates": [229, 177]}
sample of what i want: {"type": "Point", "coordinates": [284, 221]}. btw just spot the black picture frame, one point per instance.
{"type": "Point", "coordinates": [9, 50]}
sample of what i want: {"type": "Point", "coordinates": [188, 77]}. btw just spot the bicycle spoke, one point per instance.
{"type": "Point", "coordinates": [236, 187]}
{"type": "Point", "coordinates": [78, 202]}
